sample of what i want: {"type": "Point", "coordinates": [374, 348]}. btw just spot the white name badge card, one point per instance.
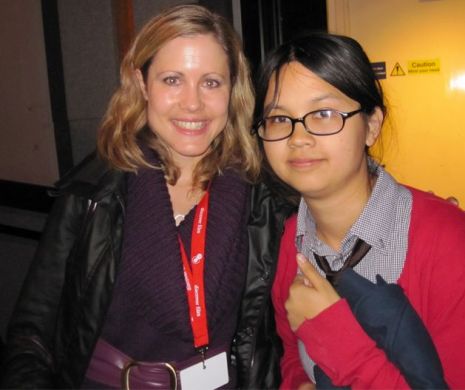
{"type": "Point", "coordinates": [208, 375]}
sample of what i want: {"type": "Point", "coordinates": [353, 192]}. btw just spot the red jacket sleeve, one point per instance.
{"type": "Point", "coordinates": [341, 348]}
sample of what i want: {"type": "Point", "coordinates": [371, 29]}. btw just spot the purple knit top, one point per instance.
{"type": "Point", "coordinates": [148, 318]}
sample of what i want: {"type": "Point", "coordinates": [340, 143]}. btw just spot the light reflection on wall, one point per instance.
{"type": "Point", "coordinates": [458, 82]}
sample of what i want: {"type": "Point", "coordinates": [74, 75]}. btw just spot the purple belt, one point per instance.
{"type": "Point", "coordinates": [111, 367]}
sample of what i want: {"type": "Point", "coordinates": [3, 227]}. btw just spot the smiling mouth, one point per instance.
{"type": "Point", "coordinates": [188, 125]}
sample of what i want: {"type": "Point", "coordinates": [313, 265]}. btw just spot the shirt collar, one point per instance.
{"type": "Point", "coordinates": [374, 225]}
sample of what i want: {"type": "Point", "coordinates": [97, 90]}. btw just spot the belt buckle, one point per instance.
{"type": "Point", "coordinates": [127, 370]}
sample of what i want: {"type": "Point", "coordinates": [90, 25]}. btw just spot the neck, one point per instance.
{"type": "Point", "coordinates": [335, 215]}
{"type": "Point", "coordinates": [186, 166]}
{"type": "Point", "coordinates": [183, 194]}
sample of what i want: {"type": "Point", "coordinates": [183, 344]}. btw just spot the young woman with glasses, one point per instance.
{"type": "Point", "coordinates": [390, 315]}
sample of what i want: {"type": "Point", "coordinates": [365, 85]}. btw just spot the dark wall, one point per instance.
{"type": "Point", "coordinates": [268, 23]}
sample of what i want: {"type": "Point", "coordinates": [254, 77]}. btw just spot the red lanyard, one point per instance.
{"type": "Point", "coordinates": [193, 274]}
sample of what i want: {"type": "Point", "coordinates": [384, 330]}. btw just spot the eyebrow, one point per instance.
{"type": "Point", "coordinates": [270, 106]}
{"type": "Point", "coordinates": [182, 74]}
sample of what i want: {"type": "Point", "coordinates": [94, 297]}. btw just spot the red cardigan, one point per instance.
{"type": "Point", "coordinates": [433, 279]}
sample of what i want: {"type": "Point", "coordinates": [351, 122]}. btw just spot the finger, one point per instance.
{"type": "Point", "coordinates": [308, 270]}
{"type": "Point", "coordinates": [298, 278]}
{"type": "Point", "coordinates": [301, 279]}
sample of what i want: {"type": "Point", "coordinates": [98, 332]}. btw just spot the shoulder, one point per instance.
{"type": "Point", "coordinates": [92, 178]}
{"type": "Point", "coordinates": [431, 214]}
{"type": "Point", "coordinates": [436, 236]}
{"type": "Point", "coordinates": [265, 203]}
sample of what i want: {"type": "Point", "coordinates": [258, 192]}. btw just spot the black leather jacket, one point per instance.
{"type": "Point", "coordinates": [257, 345]}
{"type": "Point", "coordinates": [49, 344]}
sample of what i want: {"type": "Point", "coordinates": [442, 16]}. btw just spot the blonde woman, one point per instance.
{"type": "Point", "coordinates": [142, 265]}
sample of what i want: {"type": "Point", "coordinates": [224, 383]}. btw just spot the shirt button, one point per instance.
{"type": "Point", "coordinates": [338, 262]}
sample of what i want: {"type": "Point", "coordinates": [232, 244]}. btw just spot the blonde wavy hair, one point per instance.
{"type": "Point", "coordinates": [124, 125]}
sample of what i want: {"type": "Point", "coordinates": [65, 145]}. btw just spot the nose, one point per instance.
{"type": "Point", "coordinates": [191, 97]}
{"type": "Point", "coordinates": [301, 137]}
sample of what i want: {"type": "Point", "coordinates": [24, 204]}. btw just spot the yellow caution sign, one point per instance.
{"type": "Point", "coordinates": [424, 66]}
{"type": "Point", "coordinates": [397, 70]}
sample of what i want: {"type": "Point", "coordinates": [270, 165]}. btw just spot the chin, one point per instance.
{"type": "Point", "coordinates": [307, 190]}
{"type": "Point", "coordinates": [193, 153]}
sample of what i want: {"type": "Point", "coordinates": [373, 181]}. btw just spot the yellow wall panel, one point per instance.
{"type": "Point", "coordinates": [425, 146]}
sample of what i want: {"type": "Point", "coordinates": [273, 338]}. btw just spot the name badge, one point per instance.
{"type": "Point", "coordinates": [207, 375]}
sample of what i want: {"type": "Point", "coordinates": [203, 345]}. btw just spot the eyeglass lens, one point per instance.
{"type": "Point", "coordinates": [322, 122]}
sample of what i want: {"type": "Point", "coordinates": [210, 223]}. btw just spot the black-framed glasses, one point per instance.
{"type": "Point", "coordinates": [319, 122]}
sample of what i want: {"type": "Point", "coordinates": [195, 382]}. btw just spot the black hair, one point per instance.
{"type": "Point", "coordinates": [339, 60]}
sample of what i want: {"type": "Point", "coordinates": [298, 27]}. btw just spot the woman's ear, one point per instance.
{"type": "Point", "coordinates": [375, 123]}
{"type": "Point", "coordinates": [142, 86]}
